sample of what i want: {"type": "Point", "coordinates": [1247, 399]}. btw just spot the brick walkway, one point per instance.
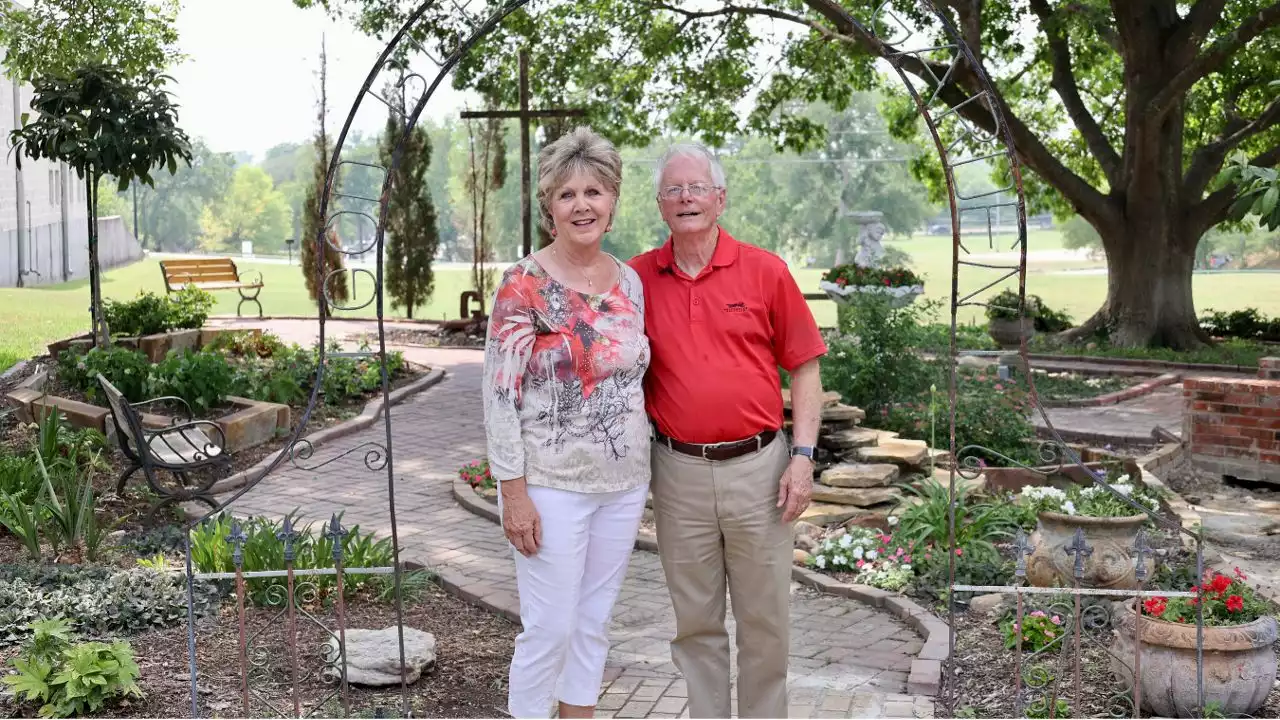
{"type": "Point", "coordinates": [847, 660]}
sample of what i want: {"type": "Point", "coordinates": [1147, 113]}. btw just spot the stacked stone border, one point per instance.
{"type": "Point", "coordinates": [925, 677]}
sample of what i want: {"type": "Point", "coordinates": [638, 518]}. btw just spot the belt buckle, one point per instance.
{"type": "Point", "coordinates": [712, 445]}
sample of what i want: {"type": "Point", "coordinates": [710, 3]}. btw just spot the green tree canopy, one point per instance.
{"type": "Point", "coordinates": [60, 36]}
{"type": "Point", "coordinates": [251, 210]}
{"type": "Point", "coordinates": [1123, 112]}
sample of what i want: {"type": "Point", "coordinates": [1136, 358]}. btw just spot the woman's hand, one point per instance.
{"type": "Point", "coordinates": [520, 521]}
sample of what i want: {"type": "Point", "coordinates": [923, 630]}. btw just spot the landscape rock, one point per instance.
{"type": "Point", "coordinates": [827, 514]}
{"type": "Point", "coordinates": [373, 656]}
{"type": "Point", "coordinates": [807, 529]}
{"type": "Point", "coordinates": [829, 398]}
{"type": "Point", "coordinates": [972, 361]}
{"type": "Point", "coordinates": [906, 454]}
{"type": "Point", "coordinates": [848, 439]}
{"type": "Point", "coordinates": [989, 604]}
{"type": "Point", "coordinates": [859, 475]}
{"type": "Point", "coordinates": [843, 414]}
{"type": "Point", "coordinates": [800, 557]}
{"type": "Point", "coordinates": [805, 543]}
{"type": "Point", "coordinates": [858, 497]}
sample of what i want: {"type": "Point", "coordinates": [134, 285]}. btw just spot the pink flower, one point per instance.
{"type": "Point", "coordinates": [959, 552]}
{"type": "Point", "coordinates": [999, 386]}
{"type": "Point", "coordinates": [1038, 613]}
{"type": "Point", "coordinates": [1056, 620]}
{"type": "Point", "coordinates": [860, 563]}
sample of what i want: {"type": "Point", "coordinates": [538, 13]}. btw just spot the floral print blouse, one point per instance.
{"type": "Point", "coordinates": [563, 390]}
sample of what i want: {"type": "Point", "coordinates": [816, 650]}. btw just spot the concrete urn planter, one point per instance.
{"type": "Point", "coordinates": [1239, 664]}
{"type": "Point", "coordinates": [1008, 333]}
{"type": "Point", "coordinates": [1109, 566]}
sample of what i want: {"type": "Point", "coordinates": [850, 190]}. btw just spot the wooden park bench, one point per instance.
{"type": "Point", "coordinates": [212, 274]}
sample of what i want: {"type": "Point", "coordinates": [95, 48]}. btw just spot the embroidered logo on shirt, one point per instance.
{"type": "Point", "coordinates": [735, 307]}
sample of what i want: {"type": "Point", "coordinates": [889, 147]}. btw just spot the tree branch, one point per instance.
{"type": "Point", "coordinates": [1213, 209]}
{"type": "Point", "coordinates": [1031, 151]}
{"type": "Point", "coordinates": [1064, 81]}
{"type": "Point", "coordinates": [1207, 160]}
{"type": "Point", "coordinates": [1212, 59]}
{"type": "Point", "coordinates": [1196, 26]}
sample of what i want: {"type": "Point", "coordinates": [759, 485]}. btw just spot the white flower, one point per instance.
{"type": "Point", "coordinates": [857, 553]}
{"type": "Point", "coordinates": [872, 554]}
{"type": "Point", "coordinates": [1123, 488]}
{"type": "Point", "coordinates": [906, 566]}
{"type": "Point", "coordinates": [820, 561]}
{"type": "Point", "coordinates": [892, 520]}
{"type": "Point", "coordinates": [846, 541]}
{"type": "Point", "coordinates": [828, 546]}
{"type": "Point", "coordinates": [1069, 507]}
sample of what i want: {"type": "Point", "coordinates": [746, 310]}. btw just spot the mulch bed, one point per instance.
{"type": "Point", "coordinates": [469, 678]}
{"type": "Point", "coordinates": [987, 670]}
{"type": "Point", "coordinates": [428, 337]}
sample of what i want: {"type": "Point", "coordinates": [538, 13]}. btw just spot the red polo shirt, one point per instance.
{"type": "Point", "coordinates": [717, 341]}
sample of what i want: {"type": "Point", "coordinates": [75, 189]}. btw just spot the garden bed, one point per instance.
{"type": "Point", "coordinates": [430, 337]}
{"type": "Point", "coordinates": [986, 671]}
{"type": "Point", "coordinates": [469, 678]}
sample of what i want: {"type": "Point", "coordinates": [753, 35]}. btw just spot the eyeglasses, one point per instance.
{"type": "Point", "coordinates": [673, 192]}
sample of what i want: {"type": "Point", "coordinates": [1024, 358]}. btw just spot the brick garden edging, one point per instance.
{"type": "Point", "coordinates": [925, 677]}
{"type": "Point", "coordinates": [17, 368]}
{"type": "Point", "coordinates": [372, 410]}
{"type": "Point", "coordinates": [1144, 388]}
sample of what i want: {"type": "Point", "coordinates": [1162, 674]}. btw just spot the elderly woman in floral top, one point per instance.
{"type": "Point", "coordinates": [567, 433]}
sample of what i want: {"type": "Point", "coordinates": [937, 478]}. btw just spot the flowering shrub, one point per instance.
{"type": "Point", "coordinates": [990, 413]}
{"type": "Point", "coordinates": [477, 475]}
{"type": "Point", "coordinates": [1091, 501]}
{"type": "Point", "coordinates": [872, 557]}
{"type": "Point", "coordinates": [851, 274]}
{"type": "Point", "coordinates": [1224, 600]}
{"type": "Point", "coordinates": [1039, 630]}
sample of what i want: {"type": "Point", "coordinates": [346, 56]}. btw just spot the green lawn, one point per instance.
{"type": "Point", "coordinates": [31, 318]}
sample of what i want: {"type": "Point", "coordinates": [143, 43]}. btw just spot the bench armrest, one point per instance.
{"type": "Point", "coordinates": [243, 273]}
{"type": "Point", "coordinates": [167, 398]}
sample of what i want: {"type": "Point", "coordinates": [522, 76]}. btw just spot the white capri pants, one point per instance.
{"type": "Point", "coordinates": [567, 590]}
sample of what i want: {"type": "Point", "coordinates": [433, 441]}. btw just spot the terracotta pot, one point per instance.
{"type": "Point", "coordinates": [1110, 565]}
{"type": "Point", "coordinates": [1239, 664]}
{"type": "Point", "coordinates": [1008, 333]}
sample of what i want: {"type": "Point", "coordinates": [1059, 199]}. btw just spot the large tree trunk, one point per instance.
{"type": "Point", "coordinates": [1149, 301]}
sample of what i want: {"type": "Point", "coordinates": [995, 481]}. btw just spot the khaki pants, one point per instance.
{"type": "Point", "coordinates": [718, 522]}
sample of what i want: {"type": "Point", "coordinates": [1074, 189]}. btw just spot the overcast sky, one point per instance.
{"type": "Point", "coordinates": [250, 81]}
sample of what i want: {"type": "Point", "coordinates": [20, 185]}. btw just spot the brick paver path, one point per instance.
{"type": "Point", "coordinates": [847, 660]}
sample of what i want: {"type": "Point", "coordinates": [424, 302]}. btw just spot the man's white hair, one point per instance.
{"type": "Point", "coordinates": [690, 150]}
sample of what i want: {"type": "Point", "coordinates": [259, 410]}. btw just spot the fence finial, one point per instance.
{"type": "Point", "coordinates": [1080, 550]}
{"type": "Point", "coordinates": [336, 533]}
{"type": "Point", "coordinates": [237, 538]}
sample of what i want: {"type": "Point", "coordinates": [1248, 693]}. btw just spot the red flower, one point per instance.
{"type": "Point", "coordinates": [959, 552]}
{"type": "Point", "coordinates": [1235, 603]}
{"type": "Point", "coordinates": [1220, 584]}
{"type": "Point", "coordinates": [1155, 606]}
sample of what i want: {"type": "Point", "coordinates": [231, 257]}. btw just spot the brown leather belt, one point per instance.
{"type": "Point", "coordinates": [720, 451]}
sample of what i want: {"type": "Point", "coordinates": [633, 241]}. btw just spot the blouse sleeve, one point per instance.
{"type": "Point", "coordinates": [508, 346]}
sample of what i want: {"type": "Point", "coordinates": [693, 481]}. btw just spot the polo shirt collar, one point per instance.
{"type": "Point", "coordinates": [725, 254]}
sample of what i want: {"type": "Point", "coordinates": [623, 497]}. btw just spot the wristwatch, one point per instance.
{"type": "Point", "coordinates": [804, 450]}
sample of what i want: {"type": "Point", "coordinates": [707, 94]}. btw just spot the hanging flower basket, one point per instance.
{"type": "Point", "coordinates": [898, 285]}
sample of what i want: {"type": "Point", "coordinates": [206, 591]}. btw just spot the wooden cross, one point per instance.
{"type": "Point", "coordinates": [524, 114]}
{"type": "Point", "coordinates": [1142, 549]}
{"type": "Point", "coordinates": [1080, 550]}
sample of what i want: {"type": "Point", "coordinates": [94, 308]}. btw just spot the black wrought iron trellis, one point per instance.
{"type": "Point", "coordinates": [950, 133]}
{"type": "Point", "coordinates": [938, 53]}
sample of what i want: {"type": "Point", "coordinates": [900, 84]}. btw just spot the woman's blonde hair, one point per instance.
{"type": "Point", "coordinates": [580, 150]}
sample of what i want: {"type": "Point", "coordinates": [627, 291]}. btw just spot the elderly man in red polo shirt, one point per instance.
{"type": "Point", "coordinates": [722, 316]}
